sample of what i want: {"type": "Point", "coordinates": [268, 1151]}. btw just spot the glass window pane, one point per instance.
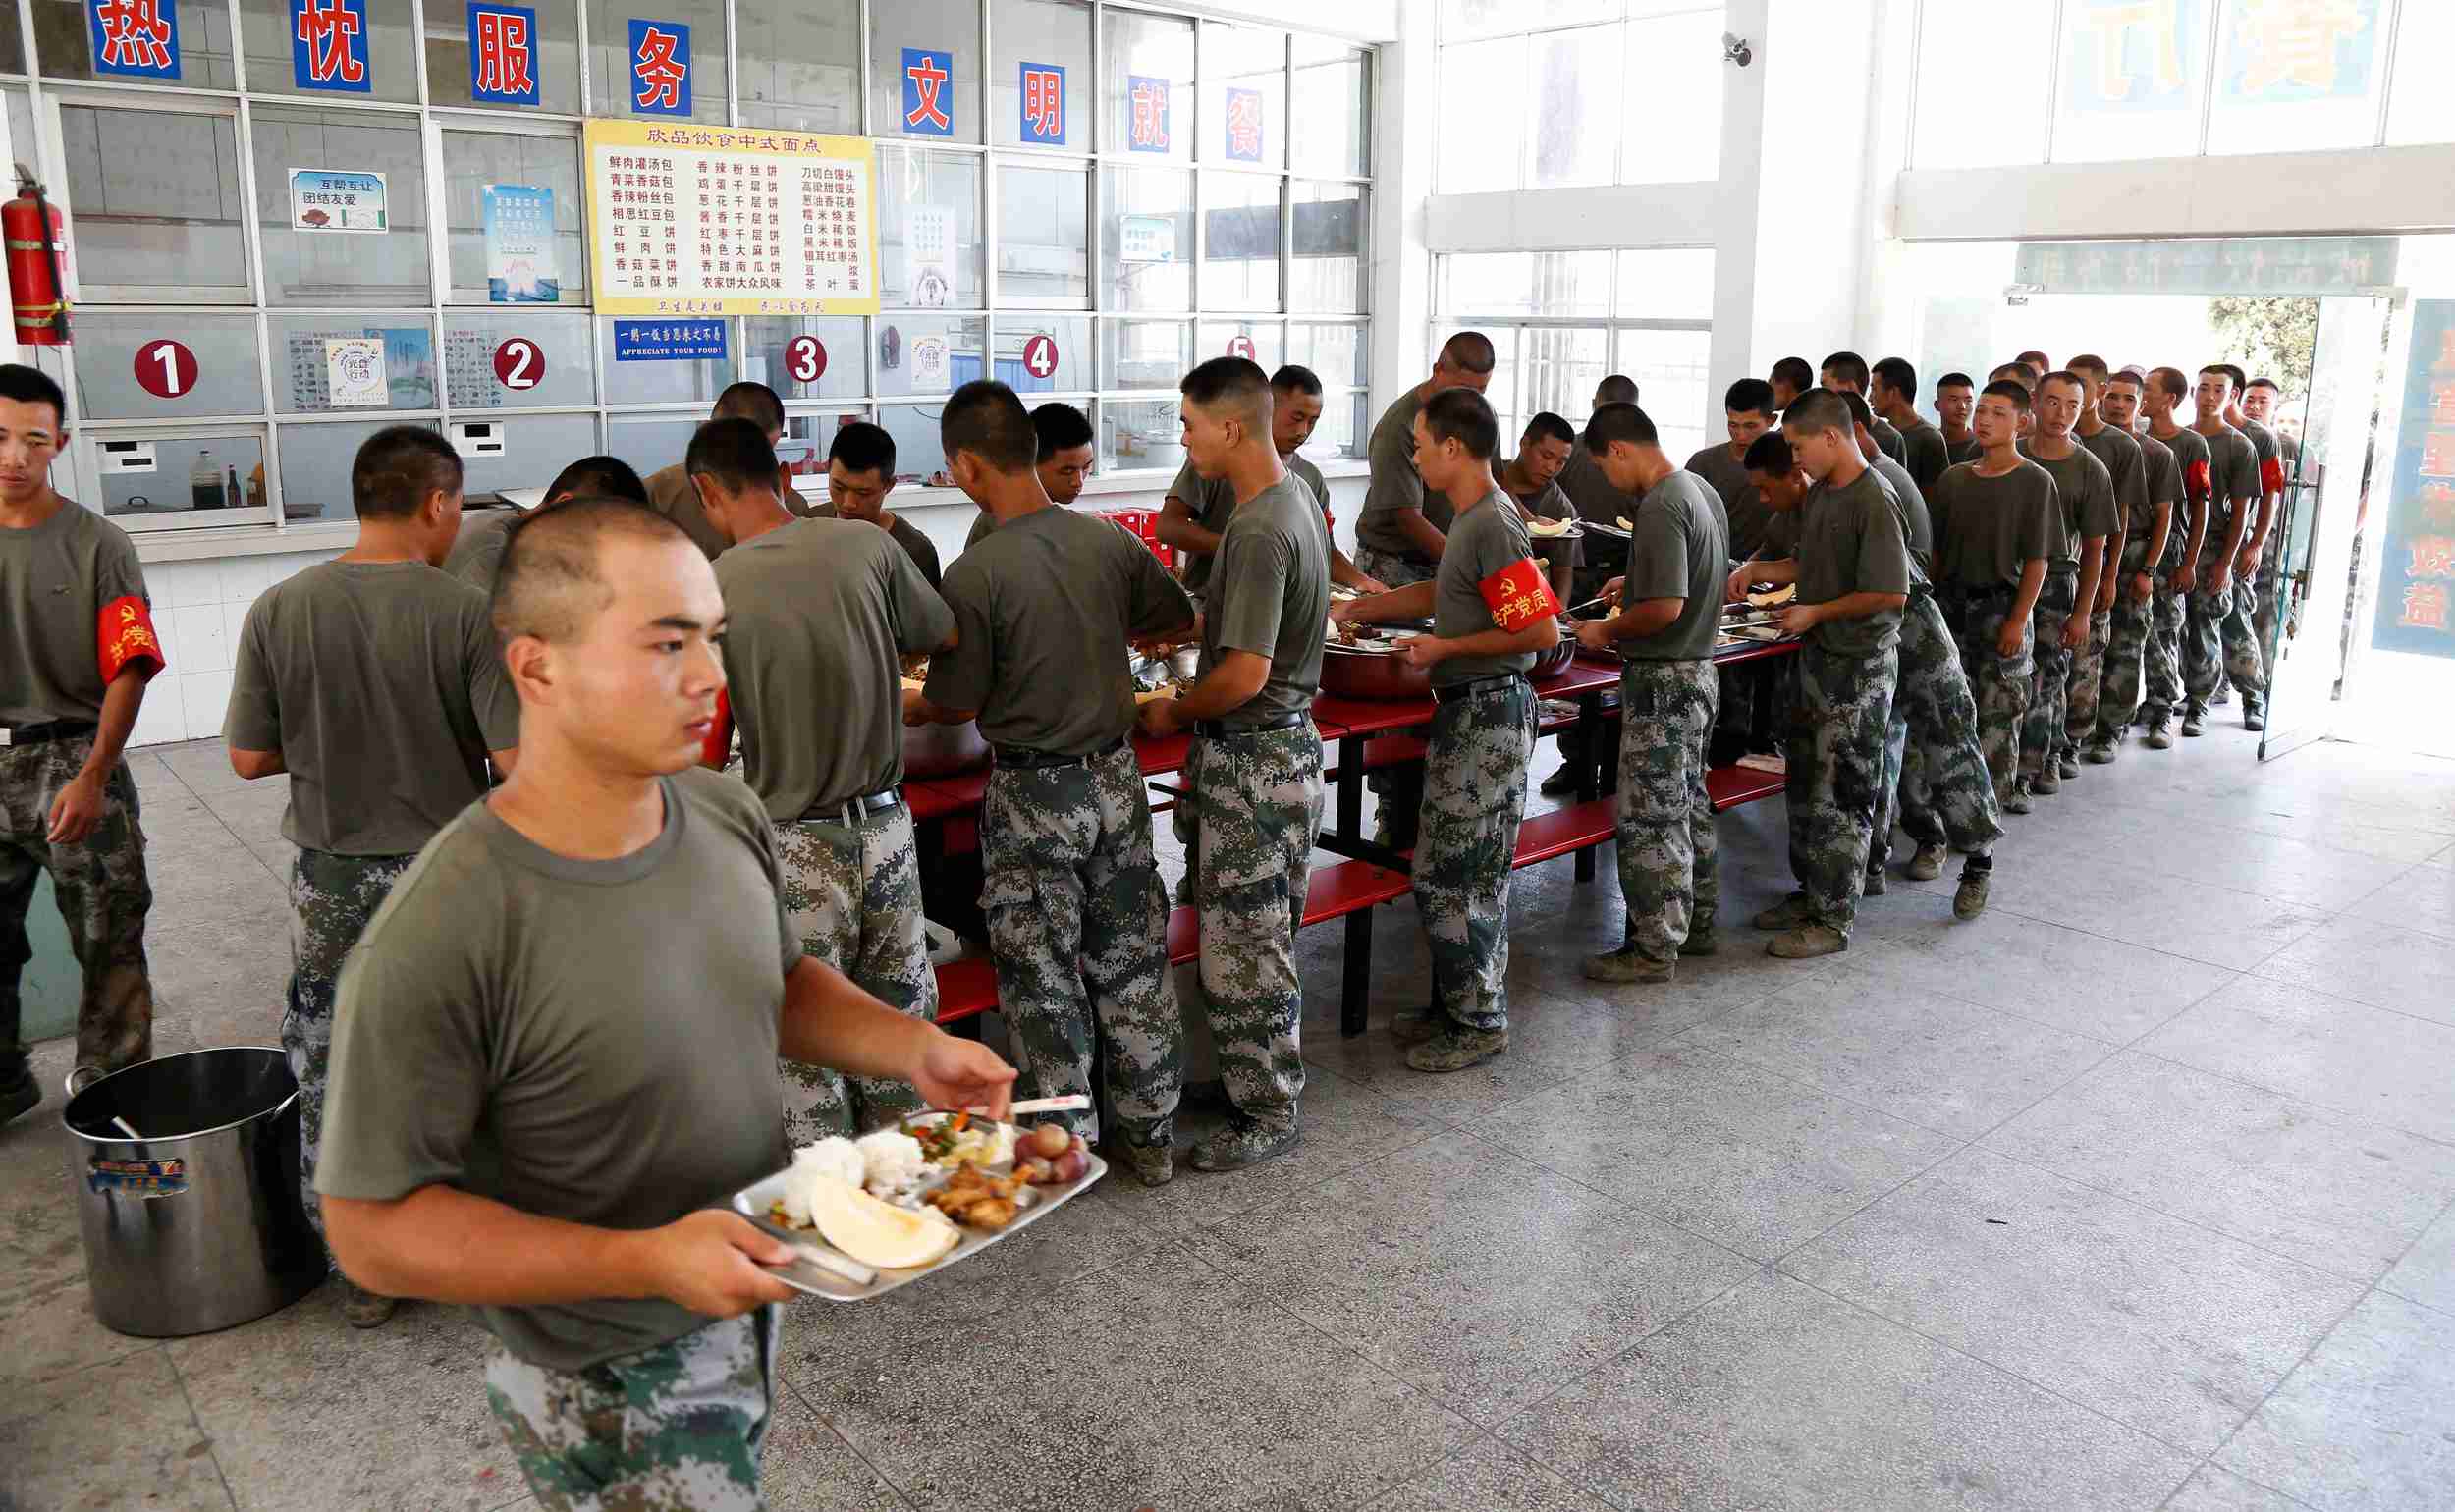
{"type": "Point", "coordinates": [1044, 236]}
{"type": "Point", "coordinates": [1045, 353]}
{"type": "Point", "coordinates": [929, 353]}
{"type": "Point", "coordinates": [535, 448]}
{"type": "Point", "coordinates": [153, 202]}
{"type": "Point", "coordinates": [309, 351]}
{"type": "Point", "coordinates": [1981, 90]}
{"type": "Point", "coordinates": [623, 72]}
{"type": "Point", "coordinates": [1144, 354]}
{"type": "Point", "coordinates": [1572, 283]}
{"type": "Point", "coordinates": [113, 350]}
{"type": "Point", "coordinates": [380, 64]}
{"type": "Point", "coordinates": [800, 63]}
{"type": "Point", "coordinates": [1240, 241]}
{"type": "Point", "coordinates": [803, 449]}
{"type": "Point", "coordinates": [1141, 434]}
{"type": "Point", "coordinates": [315, 463]}
{"type": "Point", "coordinates": [1672, 284]}
{"type": "Point", "coordinates": [1579, 94]}
{"type": "Point", "coordinates": [2421, 108]}
{"type": "Point", "coordinates": [334, 266]}
{"type": "Point", "coordinates": [924, 104]}
{"type": "Point", "coordinates": [1039, 36]}
{"type": "Point", "coordinates": [65, 38]}
{"type": "Point", "coordinates": [544, 360]}
{"type": "Point", "coordinates": [2131, 82]}
{"type": "Point", "coordinates": [1261, 341]}
{"type": "Point", "coordinates": [1336, 354]}
{"type": "Point", "coordinates": [1462, 19]}
{"type": "Point", "coordinates": [540, 177]}
{"type": "Point", "coordinates": [553, 58]}
{"type": "Point", "coordinates": [20, 108]}
{"type": "Point", "coordinates": [648, 442]}
{"type": "Point", "coordinates": [1329, 110]}
{"type": "Point", "coordinates": [1673, 385]}
{"type": "Point", "coordinates": [1482, 149]}
{"type": "Point", "coordinates": [831, 364]}
{"type": "Point", "coordinates": [194, 480]}
{"type": "Point", "coordinates": [928, 230]}
{"type": "Point", "coordinates": [2298, 77]}
{"type": "Point", "coordinates": [1146, 239]}
{"type": "Point", "coordinates": [1557, 369]}
{"type": "Point", "coordinates": [1330, 232]}
{"type": "Point", "coordinates": [1149, 86]}
{"type": "Point", "coordinates": [682, 381]}
{"type": "Point", "coordinates": [11, 47]}
{"type": "Point", "coordinates": [1347, 423]}
{"type": "Point", "coordinates": [1487, 282]}
{"type": "Point", "coordinates": [1502, 391]}
{"type": "Point", "coordinates": [1244, 95]}
{"type": "Point", "coordinates": [920, 458]}
{"type": "Point", "coordinates": [1674, 123]}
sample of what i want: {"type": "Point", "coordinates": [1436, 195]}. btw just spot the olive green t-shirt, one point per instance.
{"type": "Point", "coordinates": [1271, 596]}
{"type": "Point", "coordinates": [1679, 550]}
{"type": "Point", "coordinates": [1045, 608]}
{"type": "Point", "coordinates": [671, 494]}
{"type": "Point", "coordinates": [1547, 503]}
{"type": "Point", "coordinates": [1851, 541]}
{"type": "Point", "coordinates": [1589, 488]}
{"type": "Point", "coordinates": [1917, 523]}
{"type": "Point", "coordinates": [983, 524]}
{"type": "Point", "coordinates": [816, 614]}
{"type": "Point", "coordinates": [1888, 439]}
{"type": "Point", "coordinates": [1296, 463]}
{"type": "Point", "coordinates": [54, 581]}
{"type": "Point", "coordinates": [2085, 492]}
{"type": "Point", "coordinates": [1486, 539]}
{"type": "Point", "coordinates": [1395, 484]}
{"type": "Point", "coordinates": [477, 553]}
{"type": "Point", "coordinates": [2125, 462]}
{"type": "Point", "coordinates": [2262, 442]}
{"type": "Point", "coordinates": [2233, 480]}
{"type": "Point", "coordinates": [1744, 511]}
{"type": "Point", "coordinates": [590, 1041]}
{"type": "Point", "coordinates": [1964, 450]}
{"type": "Point", "coordinates": [381, 685]}
{"type": "Point", "coordinates": [1212, 503]}
{"type": "Point", "coordinates": [919, 547]}
{"type": "Point", "coordinates": [2164, 487]}
{"type": "Point", "coordinates": [1923, 453]}
{"type": "Point", "coordinates": [2191, 467]}
{"type": "Point", "coordinates": [1987, 530]}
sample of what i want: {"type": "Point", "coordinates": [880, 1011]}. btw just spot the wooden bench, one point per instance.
{"type": "Point", "coordinates": [1726, 788]}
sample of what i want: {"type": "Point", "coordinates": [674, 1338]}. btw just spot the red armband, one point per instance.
{"type": "Point", "coordinates": [2195, 480]}
{"type": "Point", "coordinates": [124, 633]}
{"type": "Point", "coordinates": [719, 743]}
{"type": "Point", "coordinates": [2271, 475]}
{"type": "Point", "coordinates": [1519, 595]}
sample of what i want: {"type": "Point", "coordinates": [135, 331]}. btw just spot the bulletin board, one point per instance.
{"type": "Point", "coordinates": [703, 220]}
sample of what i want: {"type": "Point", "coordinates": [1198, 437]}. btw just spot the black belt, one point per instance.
{"type": "Point", "coordinates": [1987, 595]}
{"type": "Point", "coordinates": [1213, 729]}
{"type": "Point", "coordinates": [1025, 757]}
{"type": "Point", "coordinates": [1477, 687]}
{"type": "Point", "coordinates": [850, 813]}
{"type": "Point", "coordinates": [54, 729]}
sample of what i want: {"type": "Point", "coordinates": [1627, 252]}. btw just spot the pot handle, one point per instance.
{"type": "Point", "coordinates": [97, 1072]}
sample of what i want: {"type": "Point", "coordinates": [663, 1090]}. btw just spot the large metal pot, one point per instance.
{"type": "Point", "coordinates": [1371, 671]}
{"type": "Point", "coordinates": [1550, 664]}
{"type": "Point", "coordinates": [942, 750]}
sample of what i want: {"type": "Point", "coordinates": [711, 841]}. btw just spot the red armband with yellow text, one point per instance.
{"type": "Point", "coordinates": [2271, 475]}
{"type": "Point", "coordinates": [124, 633]}
{"type": "Point", "coordinates": [2195, 480]}
{"type": "Point", "coordinates": [1519, 595]}
{"type": "Point", "coordinates": [719, 743]}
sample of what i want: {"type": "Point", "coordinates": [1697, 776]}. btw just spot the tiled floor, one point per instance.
{"type": "Point", "coordinates": [2138, 1192]}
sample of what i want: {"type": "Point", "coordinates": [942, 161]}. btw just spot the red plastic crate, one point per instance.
{"type": "Point", "coordinates": [1142, 524]}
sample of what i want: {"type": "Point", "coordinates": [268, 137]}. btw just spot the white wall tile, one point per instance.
{"type": "Point", "coordinates": [162, 717]}
{"type": "Point", "coordinates": [244, 577]}
{"type": "Point", "coordinates": [234, 621]}
{"type": "Point", "coordinates": [204, 696]}
{"type": "Point", "coordinates": [183, 584]}
{"type": "Point", "coordinates": [202, 644]}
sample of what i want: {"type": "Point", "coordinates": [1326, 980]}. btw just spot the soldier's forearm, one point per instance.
{"type": "Point", "coordinates": [120, 703]}
{"type": "Point", "coordinates": [2158, 535]}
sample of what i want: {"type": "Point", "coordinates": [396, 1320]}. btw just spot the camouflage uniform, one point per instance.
{"type": "Point", "coordinates": [2002, 685]}
{"type": "Point", "coordinates": [2163, 670]}
{"type": "Point", "coordinates": [1079, 927]}
{"type": "Point", "coordinates": [1474, 796]}
{"type": "Point", "coordinates": [1948, 797]}
{"type": "Point", "coordinates": [1401, 793]}
{"type": "Point", "coordinates": [2087, 688]}
{"type": "Point", "coordinates": [2246, 665]}
{"type": "Point", "coordinates": [2042, 730]}
{"type": "Point", "coordinates": [853, 896]}
{"type": "Point", "coordinates": [103, 896]}
{"type": "Point", "coordinates": [1669, 875]}
{"type": "Point", "coordinates": [1393, 570]}
{"type": "Point", "coordinates": [332, 897]}
{"type": "Point", "coordinates": [2270, 574]}
{"type": "Point", "coordinates": [1840, 716]}
{"type": "Point", "coordinates": [1257, 811]}
{"type": "Point", "coordinates": [2127, 652]}
{"type": "Point", "coordinates": [674, 1429]}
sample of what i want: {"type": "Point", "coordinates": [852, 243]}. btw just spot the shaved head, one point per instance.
{"type": "Point", "coordinates": [551, 583]}
{"type": "Point", "coordinates": [1468, 352]}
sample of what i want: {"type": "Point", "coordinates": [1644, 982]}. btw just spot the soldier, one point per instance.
{"type": "Point", "coordinates": [1255, 761]}
{"type": "Point", "coordinates": [2277, 470]}
{"type": "Point", "coordinates": [1748, 411]}
{"type": "Point", "coordinates": [78, 650]}
{"type": "Point", "coordinates": [670, 490]}
{"type": "Point", "coordinates": [2243, 638]}
{"type": "Point", "coordinates": [832, 605]}
{"type": "Point", "coordinates": [1591, 493]}
{"type": "Point", "coordinates": [1046, 609]}
{"type": "Point", "coordinates": [2134, 515]}
{"type": "Point", "coordinates": [2037, 363]}
{"type": "Point", "coordinates": [477, 552]}
{"type": "Point", "coordinates": [1065, 450]}
{"type": "Point", "coordinates": [1529, 479]}
{"type": "Point", "coordinates": [2085, 491]}
{"type": "Point", "coordinates": [860, 474]}
{"type": "Point", "coordinates": [1955, 401]}
{"type": "Point", "coordinates": [1998, 529]}
{"type": "Point", "coordinates": [1925, 452]}
{"type": "Point", "coordinates": [1790, 378]}
{"type": "Point", "coordinates": [2169, 611]}
{"type": "Point", "coordinates": [1398, 534]}
{"type": "Point", "coordinates": [372, 680]}
{"type": "Point", "coordinates": [2130, 645]}
{"type": "Point", "coordinates": [1668, 612]}
{"type": "Point", "coordinates": [1845, 372]}
{"type": "Point", "coordinates": [1492, 612]}
{"type": "Point", "coordinates": [2218, 640]}
{"type": "Point", "coordinates": [542, 1087]}
{"type": "Point", "coordinates": [1197, 510]}
{"type": "Point", "coordinates": [1851, 565]}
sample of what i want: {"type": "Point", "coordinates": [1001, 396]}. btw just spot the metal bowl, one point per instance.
{"type": "Point", "coordinates": [1371, 671]}
{"type": "Point", "coordinates": [1549, 663]}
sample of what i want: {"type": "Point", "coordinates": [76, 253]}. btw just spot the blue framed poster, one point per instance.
{"type": "Point", "coordinates": [329, 43]}
{"type": "Point", "coordinates": [660, 68]}
{"type": "Point", "coordinates": [2416, 564]}
{"type": "Point", "coordinates": [1245, 123]}
{"type": "Point", "coordinates": [521, 256]}
{"type": "Point", "coordinates": [1147, 106]}
{"type": "Point", "coordinates": [1043, 104]}
{"type": "Point", "coordinates": [928, 92]}
{"type": "Point", "coordinates": [133, 39]}
{"type": "Point", "coordinates": [502, 54]}
{"type": "Point", "coordinates": [669, 340]}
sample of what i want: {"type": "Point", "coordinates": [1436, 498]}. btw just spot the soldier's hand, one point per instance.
{"type": "Point", "coordinates": [1799, 619]}
{"type": "Point", "coordinates": [2246, 565]}
{"type": "Point", "coordinates": [1426, 651]}
{"type": "Point", "coordinates": [1735, 590]}
{"type": "Point", "coordinates": [2008, 639]}
{"type": "Point", "coordinates": [965, 1074]}
{"type": "Point", "coordinates": [1594, 635]}
{"type": "Point", "coordinates": [2184, 578]}
{"type": "Point", "coordinates": [2075, 630]}
{"type": "Point", "coordinates": [1371, 586]}
{"type": "Point", "coordinates": [710, 1261]}
{"type": "Point", "coordinates": [1162, 716]}
{"type": "Point", "coordinates": [2143, 586]}
{"type": "Point", "coordinates": [2218, 577]}
{"type": "Point", "coordinates": [1610, 591]}
{"type": "Point", "coordinates": [1345, 610]}
{"type": "Point", "coordinates": [76, 811]}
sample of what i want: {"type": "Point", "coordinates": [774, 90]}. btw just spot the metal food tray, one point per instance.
{"type": "Point", "coordinates": [1600, 529]}
{"type": "Point", "coordinates": [1576, 531]}
{"type": "Point", "coordinates": [753, 1202]}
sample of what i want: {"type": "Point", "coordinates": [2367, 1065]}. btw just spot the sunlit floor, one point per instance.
{"type": "Point", "coordinates": [2134, 1193]}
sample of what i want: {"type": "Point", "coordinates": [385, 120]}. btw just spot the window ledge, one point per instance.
{"type": "Point", "coordinates": [243, 541]}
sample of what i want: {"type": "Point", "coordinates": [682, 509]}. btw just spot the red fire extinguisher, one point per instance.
{"type": "Point", "coordinates": [33, 230]}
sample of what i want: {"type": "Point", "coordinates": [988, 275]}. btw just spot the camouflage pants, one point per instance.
{"type": "Point", "coordinates": [2246, 662]}
{"type": "Point", "coordinates": [1840, 716]}
{"type": "Point", "coordinates": [1079, 927]}
{"type": "Point", "coordinates": [2220, 644]}
{"type": "Point", "coordinates": [1391, 569]}
{"type": "Point", "coordinates": [1944, 796]}
{"type": "Point", "coordinates": [2127, 652]}
{"type": "Point", "coordinates": [674, 1429]}
{"type": "Point", "coordinates": [1401, 793]}
{"type": "Point", "coordinates": [2163, 661]}
{"type": "Point", "coordinates": [2042, 732]}
{"type": "Point", "coordinates": [331, 900]}
{"type": "Point", "coordinates": [2270, 585]}
{"type": "Point", "coordinates": [852, 894]}
{"type": "Point", "coordinates": [1670, 871]}
{"type": "Point", "coordinates": [2001, 685]}
{"type": "Point", "coordinates": [2088, 677]}
{"type": "Point", "coordinates": [103, 895]}
{"type": "Point", "coordinates": [1257, 811]}
{"type": "Point", "coordinates": [1474, 796]}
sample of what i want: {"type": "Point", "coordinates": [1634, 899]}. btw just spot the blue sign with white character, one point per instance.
{"type": "Point", "coordinates": [668, 341]}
